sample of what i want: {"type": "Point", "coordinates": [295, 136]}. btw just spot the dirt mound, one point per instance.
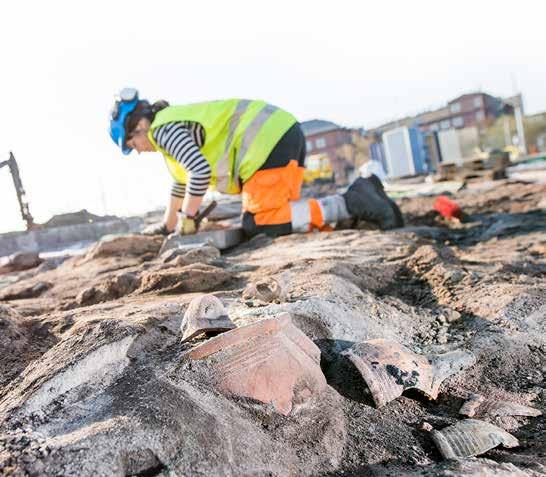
{"type": "Point", "coordinates": [74, 218]}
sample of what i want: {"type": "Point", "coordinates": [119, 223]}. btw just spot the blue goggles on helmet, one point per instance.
{"type": "Point", "coordinates": [126, 102]}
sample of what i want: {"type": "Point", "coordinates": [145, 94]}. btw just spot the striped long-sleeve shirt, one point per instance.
{"type": "Point", "coordinates": [182, 141]}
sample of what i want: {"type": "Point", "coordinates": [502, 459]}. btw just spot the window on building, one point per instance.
{"type": "Point", "coordinates": [478, 102]}
{"type": "Point", "coordinates": [458, 122]}
{"type": "Point", "coordinates": [320, 143]}
{"type": "Point", "coordinates": [434, 127]}
{"type": "Point", "coordinates": [455, 107]}
{"type": "Point", "coordinates": [445, 124]}
{"type": "Point", "coordinates": [309, 145]}
{"type": "Point", "coordinates": [480, 116]}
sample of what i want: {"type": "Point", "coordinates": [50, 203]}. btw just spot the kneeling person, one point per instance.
{"type": "Point", "coordinates": [239, 146]}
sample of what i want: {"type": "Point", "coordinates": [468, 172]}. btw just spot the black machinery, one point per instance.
{"type": "Point", "coordinates": [21, 196]}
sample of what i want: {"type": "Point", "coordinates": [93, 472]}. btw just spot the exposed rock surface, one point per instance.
{"type": "Point", "coordinates": [99, 386]}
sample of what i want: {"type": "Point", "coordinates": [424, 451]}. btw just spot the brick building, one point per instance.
{"type": "Point", "coordinates": [468, 110]}
{"type": "Point", "coordinates": [326, 137]}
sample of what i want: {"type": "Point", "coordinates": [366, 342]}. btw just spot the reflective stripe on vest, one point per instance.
{"type": "Point", "coordinates": [301, 216]}
{"type": "Point", "coordinates": [223, 168]}
{"type": "Point", "coordinates": [223, 183]}
{"type": "Point", "coordinates": [252, 131]}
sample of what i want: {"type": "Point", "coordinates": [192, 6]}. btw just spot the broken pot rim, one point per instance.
{"type": "Point", "coordinates": [224, 325]}
{"type": "Point", "coordinates": [263, 327]}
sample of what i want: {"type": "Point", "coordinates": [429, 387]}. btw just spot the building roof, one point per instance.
{"type": "Point", "coordinates": [317, 126]}
{"type": "Point", "coordinates": [438, 114]}
{"type": "Point", "coordinates": [466, 95]}
{"type": "Point", "coordinates": [431, 116]}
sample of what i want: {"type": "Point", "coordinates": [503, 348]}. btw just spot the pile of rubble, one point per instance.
{"type": "Point", "coordinates": [419, 351]}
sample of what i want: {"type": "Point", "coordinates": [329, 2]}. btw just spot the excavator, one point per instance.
{"type": "Point", "coordinates": [21, 196]}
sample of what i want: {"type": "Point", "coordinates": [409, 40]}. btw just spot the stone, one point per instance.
{"type": "Point", "coordinates": [205, 314]}
{"type": "Point", "coordinates": [452, 315]}
{"type": "Point", "coordinates": [198, 255]}
{"type": "Point", "coordinates": [123, 245]}
{"type": "Point", "coordinates": [267, 290]}
{"type": "Point", "coordinates": [478, 405]}
{"type": "Point", "coordinates": [193, 252]}
{"type": "Point", "coordinates": [19, 261]}
{"type": "Point", "coordinates": [389, 368]}
{"type": "Point", "coordinates": [271, 361]}
{"type": "Point", "coordinates": [454, 276]}
{"type": "Point", "coordinates": [425, 426]}
{"type": "Point", "coordinates": [471, 437]}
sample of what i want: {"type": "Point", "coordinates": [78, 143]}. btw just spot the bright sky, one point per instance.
{"type": "Point", "coordinates": [353, 62]}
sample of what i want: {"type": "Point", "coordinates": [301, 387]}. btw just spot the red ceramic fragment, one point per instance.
{"type": "Point", "coordinates": [271, 361]}
{"type": "Point", "coordinates": [389, 368]}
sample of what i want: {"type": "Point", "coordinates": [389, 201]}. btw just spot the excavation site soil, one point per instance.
{"type": "Point", "coordinates": [95, 378]}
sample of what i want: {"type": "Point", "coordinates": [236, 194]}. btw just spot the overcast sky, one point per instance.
{"type": "Point", "coordinates": [354, 62]}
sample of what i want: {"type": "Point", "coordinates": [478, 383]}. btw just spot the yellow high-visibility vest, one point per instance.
{"type": "Point", "coordinates": [239, 136]}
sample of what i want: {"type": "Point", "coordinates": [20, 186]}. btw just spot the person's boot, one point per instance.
{"type": "Point", "coordinates": [364, 201]}
{"type": "Point", "coordinates": [376, 181]}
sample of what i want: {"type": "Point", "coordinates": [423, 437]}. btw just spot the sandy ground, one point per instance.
{"type": "Point", "coordinates": [91, 381]}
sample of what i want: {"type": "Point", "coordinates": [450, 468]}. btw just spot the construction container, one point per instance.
{"type": "Point", "coordinates": [405, 152]}
{"type": "Point", "coordinates": [459, 145]}
{"type": "Point", "coordinates": [434, 153]}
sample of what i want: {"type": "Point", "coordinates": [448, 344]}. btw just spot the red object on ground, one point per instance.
{"type": "Point", "coordinates": [447, 208]}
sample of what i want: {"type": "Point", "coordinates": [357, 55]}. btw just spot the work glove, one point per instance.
{"type": "Point", "coordinates": [156, 229]}
{"type": "Point", "coordinates": [188, 226]}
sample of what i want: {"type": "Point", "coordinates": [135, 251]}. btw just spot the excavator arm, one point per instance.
{"type": "Point", "coordinates": [20, 191]}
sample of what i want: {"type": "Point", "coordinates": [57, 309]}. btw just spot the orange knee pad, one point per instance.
{"type": "Point", "coordinates": [267, 194]}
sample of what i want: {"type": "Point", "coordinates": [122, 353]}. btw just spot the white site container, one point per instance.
{"type": "Point", "coordinates": [450, 147]}
{"type": "Point", "coordinates": [404, 152]}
